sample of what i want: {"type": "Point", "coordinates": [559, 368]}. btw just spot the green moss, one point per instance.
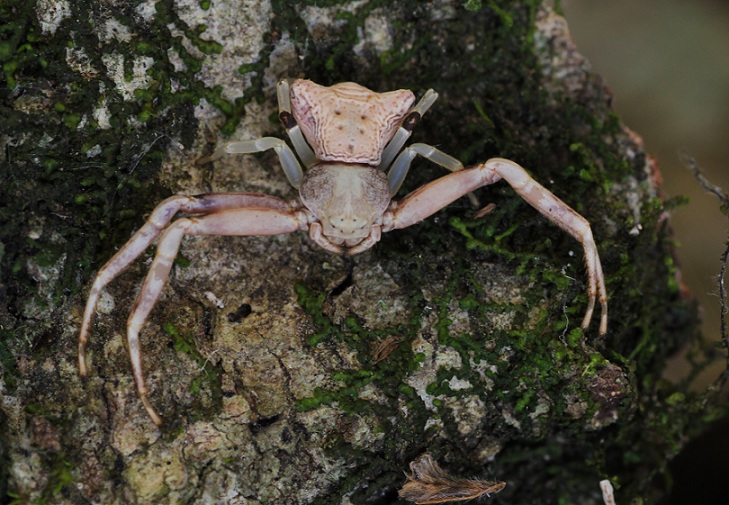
{"type": "Point", "coordinates": [312, 303]}
{"type": "Point", "coordinates": [385, 375]}
{"type": "Point", "coordinates": [72, 120]}
{"type": "Point", "coordinates": [61, 478]}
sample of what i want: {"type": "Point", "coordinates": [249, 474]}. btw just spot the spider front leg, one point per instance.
{"type": "Point", "coordinates": [254, 221]}
{"type": "Point", "coordinates": [432, 197]}
{"type": "Point", "coordinates": [222, 214]}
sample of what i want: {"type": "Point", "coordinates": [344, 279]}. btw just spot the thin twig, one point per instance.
{"type": "Point", "coordinates": [723, 313]}
{"type": "Point", "coordinates": [607, 492]}
{"type": "Point", "coordinates": [723, 197]}
{"type": "Point", "coordinates": [707, 185]}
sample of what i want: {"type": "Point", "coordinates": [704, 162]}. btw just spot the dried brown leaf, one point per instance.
{"type": "Point", "coordinates": [429, 483]}
{"type": "Point", "coordinates": [485, 211]}
{"type": "Point", "coordinates": [385, 348]}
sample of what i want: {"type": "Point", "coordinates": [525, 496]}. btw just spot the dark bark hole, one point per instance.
{"type": "Point", "coordinates": [338, 290]}
{"type": "Point", "coordinates": [263, 423]}
{"type": "Point", "coordinates": [240, 314]}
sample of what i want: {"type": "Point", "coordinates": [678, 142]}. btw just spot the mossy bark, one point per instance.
{"type": "Point", "coordinates": [285, 374]}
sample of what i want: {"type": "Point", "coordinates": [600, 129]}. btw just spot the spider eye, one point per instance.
{"type": "Point", "coordinates": [347, 224]}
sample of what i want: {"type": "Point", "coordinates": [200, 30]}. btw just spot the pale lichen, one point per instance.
{"type": "Point", "coordinates": [51, 13]}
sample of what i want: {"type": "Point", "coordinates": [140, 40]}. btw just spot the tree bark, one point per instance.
{"type": "Point", "coordinates": [288, 375]}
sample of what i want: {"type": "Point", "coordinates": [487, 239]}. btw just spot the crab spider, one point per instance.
{"type": "Point", "coordinates": [351, 143]}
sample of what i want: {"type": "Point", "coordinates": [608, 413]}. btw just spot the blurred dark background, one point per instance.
{"type": "Point", "coordinates": [667, 62]}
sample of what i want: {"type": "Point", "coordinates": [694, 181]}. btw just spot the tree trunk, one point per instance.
{"type": "Point", "coordinates": [288, 375]}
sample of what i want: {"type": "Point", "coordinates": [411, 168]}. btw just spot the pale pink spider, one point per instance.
{"type": "Point", "coordinates": [345, 195]}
